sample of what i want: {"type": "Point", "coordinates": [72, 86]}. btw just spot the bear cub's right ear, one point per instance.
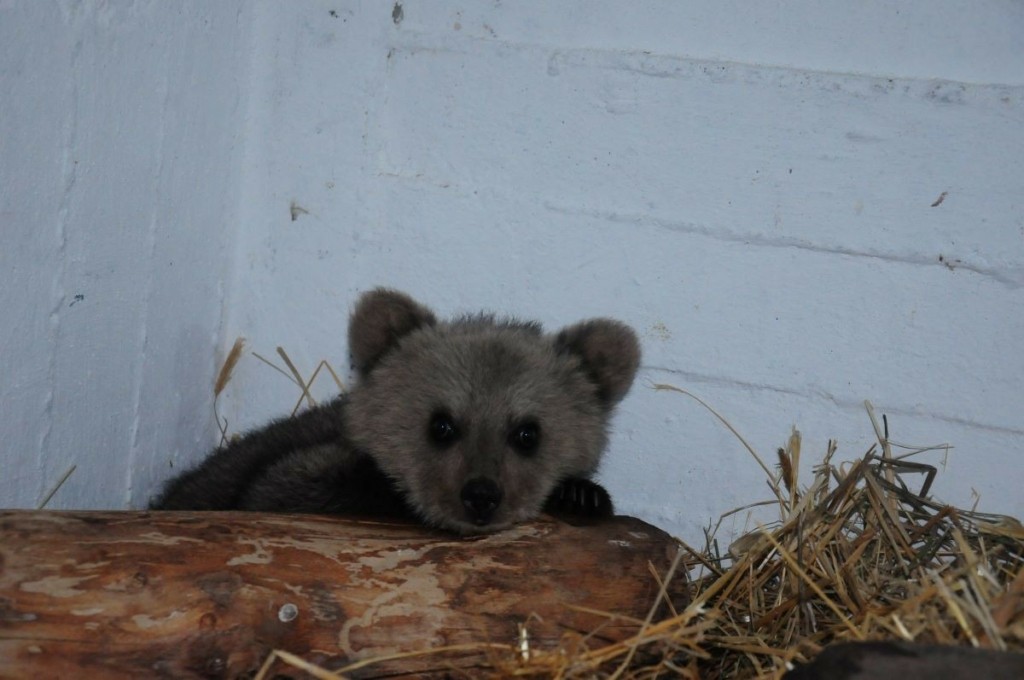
{"type": "Point", "coordinates": [381, 318]}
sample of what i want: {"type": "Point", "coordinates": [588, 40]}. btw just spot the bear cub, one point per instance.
{"type": "Point", "coordinates": [470, 425]}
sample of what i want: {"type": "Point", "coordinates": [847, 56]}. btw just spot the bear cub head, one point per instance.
{"type": "Point", "coordinates": [478, 419]}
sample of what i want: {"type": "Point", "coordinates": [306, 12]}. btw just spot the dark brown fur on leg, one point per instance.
{"type": "Point", "coordinates": [224, 478]}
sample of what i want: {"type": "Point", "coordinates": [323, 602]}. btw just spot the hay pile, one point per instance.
{"type": "Point", "coordinates": [856, 554]}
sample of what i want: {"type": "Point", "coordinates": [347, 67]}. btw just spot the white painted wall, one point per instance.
{"type": "Point", "coordinates": [749, 185]}
{"type": "Point", "coordinates": [118, 208]}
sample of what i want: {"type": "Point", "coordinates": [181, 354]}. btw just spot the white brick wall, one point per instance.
{"type": "Point", "coordinates": [117, 202]}
{"type": "Point", "coordinates": [749, 185]}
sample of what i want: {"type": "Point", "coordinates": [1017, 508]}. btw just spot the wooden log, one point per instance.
{"type": "Point", "coordinates": [209, 595]}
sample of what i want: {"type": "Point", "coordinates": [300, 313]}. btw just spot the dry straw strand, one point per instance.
{"type": "Point", "coordinates": [228, 367]}
{"type": "Point", "coordinates": [56, 487]}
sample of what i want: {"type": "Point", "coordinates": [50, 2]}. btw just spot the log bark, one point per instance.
{"type": "Point", "coordinates": [209, 595]}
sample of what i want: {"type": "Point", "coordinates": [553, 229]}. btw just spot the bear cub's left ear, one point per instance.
{"type": "Point", "coordinates": [609, 351]}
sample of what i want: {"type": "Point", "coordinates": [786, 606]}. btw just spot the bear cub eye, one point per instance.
{"type": "Point", "coordinates": [525, 436]}
{"type": "Point", "coordinates": [442, 429]}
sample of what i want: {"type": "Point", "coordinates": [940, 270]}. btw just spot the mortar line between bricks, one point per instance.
{"type": "Point", "coordinates": [853, 404]}
{"type": "Point", "coordinates": [422, 41]}
{"type": "Point", "coordinates": [729, 236]}
{"type": "Point", "coordinates": [1013, 280]}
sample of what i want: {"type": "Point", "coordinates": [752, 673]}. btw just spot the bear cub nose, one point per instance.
{"type": "Point", "coordinates": [481, 497]}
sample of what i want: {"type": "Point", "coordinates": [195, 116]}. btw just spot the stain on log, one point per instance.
{"type": "Point", "coordinates": [208, 595]}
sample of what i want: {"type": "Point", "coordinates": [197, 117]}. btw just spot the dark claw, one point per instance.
{"type": "Point", "coordinates": [579, 498]}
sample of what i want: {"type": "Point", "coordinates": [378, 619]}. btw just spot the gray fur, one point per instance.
{"type": "Point", "coordinates": [376, 450]}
